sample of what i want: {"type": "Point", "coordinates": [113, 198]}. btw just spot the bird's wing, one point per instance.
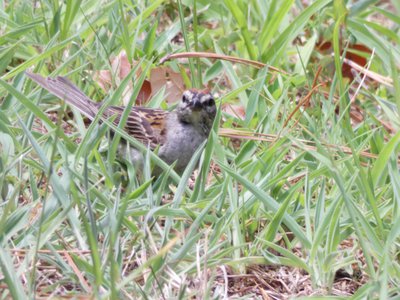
{"type": "Point", "coordinates": [145, 124]}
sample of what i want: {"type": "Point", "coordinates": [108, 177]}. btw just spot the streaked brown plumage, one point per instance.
{"type": "Point", "coordinates": [177, 133]}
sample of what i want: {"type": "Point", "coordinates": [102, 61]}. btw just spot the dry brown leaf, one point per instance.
{"type": "Point", "coordinates": [144, 93]}
{"type": "Point", "coordinates": [121, 66]}
{"type": "Point", "coordinates": [354, 54]}
{"type": "Point", "coordinates": [159, 77]}
{"type": "Point", "coordinates": [103, 79]}
{"type": "Point", "coordinates": [165, 76]}
{"type": "Point", "coordinates": [120, 69]}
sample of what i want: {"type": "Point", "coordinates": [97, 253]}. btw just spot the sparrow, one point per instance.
{"type": "Point", "coordinates": [177, 134]}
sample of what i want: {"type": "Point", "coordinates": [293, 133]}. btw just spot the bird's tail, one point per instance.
{"type": "Point", "coordinates": [67, 91]}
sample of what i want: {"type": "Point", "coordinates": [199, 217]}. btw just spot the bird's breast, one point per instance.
{"type": "Point", "coordinates": [181, 141]}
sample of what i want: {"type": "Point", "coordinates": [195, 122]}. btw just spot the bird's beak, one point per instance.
{"type": "Point", "coordinates": [196, 105]}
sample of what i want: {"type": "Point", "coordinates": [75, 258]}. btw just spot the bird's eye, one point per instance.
{"type": "Point", "coordinates": [210, 102]}
{"type": "Point", "coordinates": [185, 98]}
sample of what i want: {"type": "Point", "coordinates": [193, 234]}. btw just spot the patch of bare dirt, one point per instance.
{"type": "Point", "coordinates": [282, 282]}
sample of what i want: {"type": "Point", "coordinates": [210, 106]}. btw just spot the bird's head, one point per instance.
{"type": "Point", "coordinates": [197, 107]}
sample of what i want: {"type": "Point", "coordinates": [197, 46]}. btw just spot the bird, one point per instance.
{"type": "Point", "coordinates": [177, 134]}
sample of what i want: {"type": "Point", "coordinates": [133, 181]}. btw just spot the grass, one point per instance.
{"type": "Point", "coordinates": [307, 201]}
